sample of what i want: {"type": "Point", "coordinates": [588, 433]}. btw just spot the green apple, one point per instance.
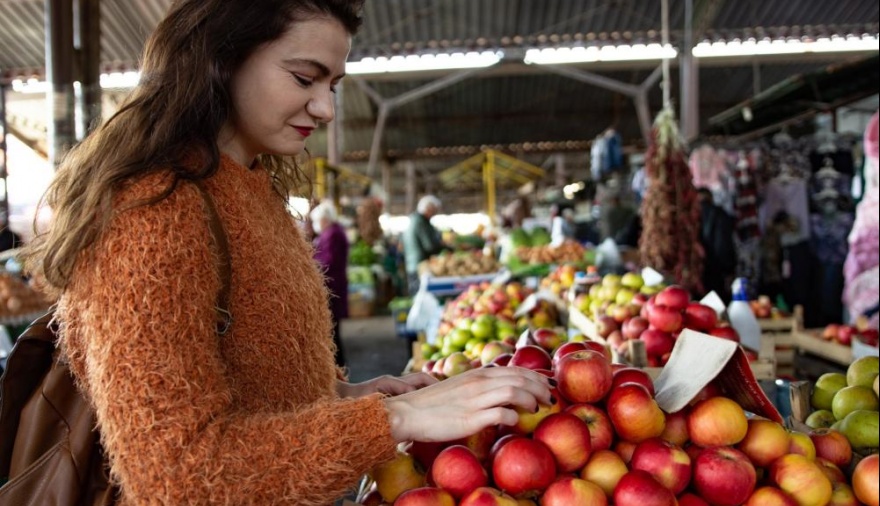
{"type": "Point", "coordinates": [862, 428]}
{"type": "Point", "coordinates": [611, 281]}
{"type": "Point", "coordinates": [428, 350]}
{"type": "Point", "coordinates": [862, 372]}
{"type": "Point", "coordinates": [836, 425]}
{"type": "Point", "coordinates": [459, 337]}
{"type": "Point", "coordinates": [624, 296]}
{"type": "Point", "coordinates": [464, 323]}
{"type": "Point", "coordinates": [820, 419]}
{"type": "Point", "coordinates": [483, 329]}
{"type": "Point", "coordinates": [825, 388]}
{"type": "Point", "coordinates": [632, 280]}
{"type": "Point", "coordinates": [851, 399]}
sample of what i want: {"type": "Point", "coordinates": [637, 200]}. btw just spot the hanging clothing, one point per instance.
{"type": "Point", "coordinates": [613, 152]}
{"type": "Point", "coordinates": [789, 195]}
{"type": "Point", "coordinates": [598, 157]}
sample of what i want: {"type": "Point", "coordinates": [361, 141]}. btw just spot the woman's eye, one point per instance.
{"type": "Point", "coordinates": [304, 82]}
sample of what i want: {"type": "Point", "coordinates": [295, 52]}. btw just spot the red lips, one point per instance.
{"type": "Point", "coordinates": [304, 131]}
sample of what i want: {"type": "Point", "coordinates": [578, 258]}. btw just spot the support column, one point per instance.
{"type": "Point", "coordinates": [561, 174]}
{"type": "Point", "coordinates": [4, 194]}
{"type": "Point", "coordinates": [410, 168]}
{"type": "Point", "coordinates": [689, 77]}
{"type": "Point", "coordinates": [59, 75]}
{"type": "Point", "coordinates": [87, 43]}
{"type": "Point", "coordinates": [386, 186]}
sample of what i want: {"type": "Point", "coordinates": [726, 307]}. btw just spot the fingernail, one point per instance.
{"type": "Point", "coordinates": [552, 400]}
{"type": "Point", "coordinates": [552, 382]}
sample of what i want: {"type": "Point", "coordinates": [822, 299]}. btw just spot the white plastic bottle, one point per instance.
{"type": "Point", "coordinates": [742, 319]}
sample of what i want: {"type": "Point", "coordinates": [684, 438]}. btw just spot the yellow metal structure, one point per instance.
{"type": "Point", "coordinates": [488, 171]}
{"type": "Point", "coordinates": [326, 176]}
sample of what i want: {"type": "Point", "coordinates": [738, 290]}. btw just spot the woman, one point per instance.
{"type": "Point", "coordinates": [257, 416]}
{"type": "Point", "coordinates": [331, 252]}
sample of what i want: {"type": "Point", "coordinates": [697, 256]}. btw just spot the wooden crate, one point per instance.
{"type": "Point", "coordinates": [782, 331]}
{"type": "Point", "coordinates": [799, 395]}
{"type": "Point", "coordinates": [811, 342]}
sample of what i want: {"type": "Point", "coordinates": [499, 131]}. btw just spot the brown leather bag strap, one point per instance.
{"type": "Point", "coordinates": [224, 317]}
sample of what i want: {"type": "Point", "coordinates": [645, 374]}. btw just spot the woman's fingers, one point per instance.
{"type": "Point", "coordinates": [419, 379]}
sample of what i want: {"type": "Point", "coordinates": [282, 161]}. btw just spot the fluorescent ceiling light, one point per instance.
{"type": "Point", "coordinates": [414, 63]}
{"type": "Point", "coordinates": [112, 80]}
{"type": "Point", "coordinates": [580, 54]}
{"type": "Point", "coordinates": [752, 47]}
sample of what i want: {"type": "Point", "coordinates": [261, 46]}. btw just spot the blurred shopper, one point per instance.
{"type": "Point", "coordinates": [331, 252]}
{"type": "Point", "coordinates": [716, 236]}
{"type": "Point", "coordinates": [256, 413]}
{"type": "Point", "coordinates": [615, 216]}
{"type": "Point", "coordinates": [421, 240]}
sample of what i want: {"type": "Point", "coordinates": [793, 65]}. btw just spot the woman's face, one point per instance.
{"type": "Point", "coordinates": [284, 90]}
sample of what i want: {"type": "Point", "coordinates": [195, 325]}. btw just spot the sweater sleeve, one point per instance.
{"type": "Point", "coordinates": [138, 320]}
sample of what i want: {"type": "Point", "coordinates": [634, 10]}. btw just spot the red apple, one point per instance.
{"type": "Point", "coordinates": [724, 476]}
{"type": "Point", "coordinates": [498, 445]}
{"type": "Point", "coordinates": [625, 449]}
{"type": "Point", "coordinates": [547, 339]}
{"type": "Point", "coordinates": [770, 496]}
{"type": "Point", "coordinates": [700, 317]}
{"type": "Point", "coordinates": [634, 414]}
{"type": "Point", "coordinates": [676, 431]}
{"type": "Point", "coordinates": [480, 443]}
{"type": "Point", "coordinates": [667, 463]}
{"type": "Point", "coordinates": [728, 333]}
{"type": "Point", "coordinates": [691, 500]}
{"type": "Point", "coordinates": [657, 342]}
{"type": "Point", "coordinates": [638, 488]}
{"type": "Point", "coordinates": [501, 360]}
{"type": "Point", "coordinates": [458, 471]}
{"type": "Point", "coordinates": [765, 442]}
{"type": "Point", "coordinates": [707, 392]}
{"type": "Point", "coordinates": [601, 431]}
{"type": "Point", "coordinates": [845, 335]}
{"type": "Point", "coordinates": [531, 357]}
{"type": "Point", "coordinates": [616, 342]}
{"type": "Point", "coordinates": [871, 337]}
{"type": "Point", "coordinates": [801, 444]}
{"type": "Point", "coordinates": [639, 299]}
{"type": "Point", "coordinates": [605, 325]}
{"type": "Point", "coordinates": [666, 319]}
{"type": "Point", "coordinates": [599, 347]}
{"type": "Point", "coordinates": [718, 421]}
{"type": "Point", "coordinates": [566, 349]}
{"type": "Point", "coordinates": [425, 496]}
{"type": "Point", "coordinates": [523, 466]}
{"type": "Point", "coordinates": [674, 297]}
{"type": "Point", "coordinates": [830, 332]}
{"type": "Point", "coordinates": [605, 468]}
{"type": "Point", "coordinates": [425, 453]}
{"type": "Point", "coordinates": [832, 446]}
{"type": "Point", "coordinates": [645, 311]}
{"type": "Point", "coordinates": [634, 327]}
{"type": "Point", "coordinates": [843, 495]}
{"type": "Point", "coordinates": [831, 471]}
{"type": "Point", "coordinates": [568, 439]}
{"type": "Point", "coordinates": [802, 479]}
{"type": "Point", "coordinates": [567, 490]}
{"type": "Point", "coordinates": [866, 481]}
{"type": "Point", "coordinates": [583, 376]}
{"type": "Point", "coordinates": [488, 496]}
{"type": "Point", "coordinates": [632, 375]}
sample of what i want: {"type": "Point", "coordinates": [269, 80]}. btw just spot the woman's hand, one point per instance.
{"type": "Point", "coordinates": [467, 403]}
{"type": "Point", "coordinates": [388, 385]}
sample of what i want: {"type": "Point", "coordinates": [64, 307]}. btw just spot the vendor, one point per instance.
{"type": "Point", "coordinates": [421, 240]}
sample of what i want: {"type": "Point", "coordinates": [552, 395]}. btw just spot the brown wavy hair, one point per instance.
{"type": "Point", "coordinates": [175, 112]}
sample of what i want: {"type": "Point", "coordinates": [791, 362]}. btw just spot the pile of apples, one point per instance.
{"type": "Point", "coordinates": [604, 439]}
{"type": "Point", "coordinates": [560, 280]}
{"type": "Point", "coordinates": [483, 314]}
{"type": "Point", "coordinates": [657, 321]}
{"type": "Point", "coordinates": [763, 309]}
{"type": "Point", "coordinates": [849, 403]}
{"type": "Point", "coordinates": [844, 334]}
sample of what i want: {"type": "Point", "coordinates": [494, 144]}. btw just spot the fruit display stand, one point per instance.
{"type": "Point", "coordinates": [801, 408]}
{"type": "Point", "coordinates": [783, 330]}
{"type": "Point", "coordinates": [764, 368]}
{"type": "Point", "coordinates": [449, 286]}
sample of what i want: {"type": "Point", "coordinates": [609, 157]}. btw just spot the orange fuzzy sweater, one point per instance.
{"type": "Point", "coordinates": [188, 417]}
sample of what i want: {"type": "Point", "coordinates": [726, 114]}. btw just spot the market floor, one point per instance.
{"type": "Point", "coordinates": [372, 348]}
